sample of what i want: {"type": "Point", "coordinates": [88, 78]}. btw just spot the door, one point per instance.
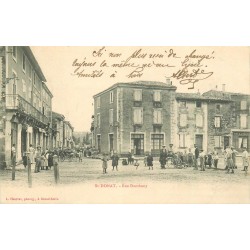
{"type": "Point", "coordinates": [23, 141]}
{"type": "Point", "coordinates": [199, 141]}
{"type": "Point", "coordinates": [137, 141]}
{"type": "Point", "coordinates": [226, 141]}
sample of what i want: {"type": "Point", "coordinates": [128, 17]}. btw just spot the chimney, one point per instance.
{"type": "Point", "coordinates": [223, 87]}
{"type": "Point", "coordinates": [168, 81]}
{"type": "Point", "coordinates": [216, 87]}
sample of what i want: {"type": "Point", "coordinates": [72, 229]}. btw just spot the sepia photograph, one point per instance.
{"type": "Point", "coordinates": [124, 124]}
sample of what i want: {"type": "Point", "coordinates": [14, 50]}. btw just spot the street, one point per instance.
{"type": "Point", "coordinates": [90, 171]}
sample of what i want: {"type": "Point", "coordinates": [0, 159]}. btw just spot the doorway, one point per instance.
{"type": "Point", "coordinates": [199, 141]}
{"type": "Point", "coordinates": [137, 144]}
{"type": "Point", "coordinates": [23, 141]}
{"type": "Point", "coordinates": [226, 142]}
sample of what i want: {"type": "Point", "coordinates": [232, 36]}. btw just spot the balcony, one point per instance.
{"type": "Point", "coordinates": [18, 103]}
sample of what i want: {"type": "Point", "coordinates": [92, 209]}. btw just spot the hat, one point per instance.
{"type": "Point", "coordinates": [38, 146]}
{"type": "Point", "coordinates": [163, 145]}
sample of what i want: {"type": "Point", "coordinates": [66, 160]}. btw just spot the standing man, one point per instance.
{"type": "Point", "coordinates": [38, 155]}
{"type": "Point", "coordinates": [13, 155]}
{"type": "Point", "coordinates": [196, 156]}
{"type": "Point", "coordinates": [234, 153]}
{"type": "Point", "coordinates": [245, 160]}
{"type": "Point", "coordinates": [215, 158]}
{"type": "Point", "coordinates": [163, 157]}
{"type": "Point", "coordinates": [115, 160]}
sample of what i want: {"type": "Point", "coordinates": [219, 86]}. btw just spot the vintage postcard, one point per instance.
{"type": "Point", "coordinates": [124, 124]}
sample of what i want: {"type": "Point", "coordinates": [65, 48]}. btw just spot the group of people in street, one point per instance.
{"type": "Point", "coordinates": [43, 160]}
{"type": "Point", "coordinates": [196, 158]}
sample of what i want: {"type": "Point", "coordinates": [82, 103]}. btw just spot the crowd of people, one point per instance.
{"type": "Point", "coordinates": [197, 159]}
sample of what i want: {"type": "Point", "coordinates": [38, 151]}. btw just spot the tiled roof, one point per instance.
{"type": "Point", "coordinates": [190, 96]}
{"type": "Point", "coordinates": [221, 94]}
{"type": "Point", "coordinates": [146, 83]}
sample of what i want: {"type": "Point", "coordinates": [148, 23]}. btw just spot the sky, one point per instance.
{"type": "Point", "coordinates": [73, 95]}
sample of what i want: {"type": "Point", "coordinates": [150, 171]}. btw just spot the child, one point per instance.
{"type": "Point", "coordinates": [202, 160]}
{"type": "Point", "coordinates": [136, 163]}
{"type": "Point", "coordinates": [80, 154]}
{"type": "Point", "coordinates": [209, 160]}
{"type": "Point", "coordinates": [104, 163]}
{"type": "Point", "coordinates": [150, 161]}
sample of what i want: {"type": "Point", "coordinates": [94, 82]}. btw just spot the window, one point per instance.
{"type": "Point", "coordinates": [183, 104]}
{"type": "Point", "coordinates": [137, 94]}
{"type": "Point", "coordinates": [30, 71]}
{"type": "Point", "coordinates": [138, 116]}
{"type": "Point", "coordinates": [98, 102]}
{"type": "Point", "coordinates": [30, 92]}
{"type": "Point", "coordinates": [111, 97]}
{"type": "Point", "coordinates": [217, 141]}
{"type": "Point", "coordinates": [157, 116]}
{"type": "Point", "coordinates": [157, 141]}
{"type": "Point", "coordinates": [242, 142]}
{"type": "Point", "coordinates": [243, 121]}
{"type": "Point", "coordinates": [243, 105]}
{"type": "Point", "coordinates": [198, 104]}
{"type": "Point", "coordinates": [24, 86]}
{"type": "Point", "coordinates": [199, 120]}
{"type": "Point", "coordinates": [218, 106]}
{"type": "Point", "coordinates": [14, 53]}
{"type": "Point", "coordinates": [24, 63]}
{"type": "Point", "coordinates": [182, 140]}
{"type": "Point", "coordinates": [98, 121]}
{"type": "Point", "coordinates": [157, 96]}
{"type": "Point", "coordinates": [217, 121]}
{"type": "Point", "coordinates": [183, 120]}
{"type": "Point", "coordinates": [34, 78]}
{"type": "Point", "coordinates": [111, 117]}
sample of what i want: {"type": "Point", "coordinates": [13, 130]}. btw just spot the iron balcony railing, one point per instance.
{"type": "Point", "coordinates": [16, 102]}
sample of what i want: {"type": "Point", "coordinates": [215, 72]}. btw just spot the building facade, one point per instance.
{"type": "Point", "coordinates": [58, 128]}
{"type": "Point", "coordinates": [135, 117]}
{"type": "Point", "coordinates": [192, 114]}
{"type": "Point", "coordinates": [229, 120]}
{"type": "Point", "coordinates": [140, 117]}
{"type": "Point", "coordinates": [26, 103]}
{"type": "Point", "coordinates": [63, 131]}
{"type": "Point", "coordinates": [68, 130]}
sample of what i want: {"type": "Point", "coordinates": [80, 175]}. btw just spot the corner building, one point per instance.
{"type": "Point", "coordinates": [137, 117]}
{"type": "Point", "coordinates": [25, 105]}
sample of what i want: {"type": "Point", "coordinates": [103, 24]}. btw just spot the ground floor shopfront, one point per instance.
{"type": "Point", "coordinates": [21, 134]}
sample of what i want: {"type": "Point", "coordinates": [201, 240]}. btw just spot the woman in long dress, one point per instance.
{"type": "Point", "coordinates": [32, 154]}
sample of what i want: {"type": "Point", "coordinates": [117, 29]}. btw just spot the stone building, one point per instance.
{"type": "Point", "coordinates": [135, 117]}
{"type": "Point", "coordinates": [68, 130]}
{"type": "Point", "coordinates": [192, 111]}
{"type": "Point", "coordinates": [58, 128]}
{"type": "Point", "coordinates": [140, 117]}
{"type": "Point", "coordinates": [25, 105]}
{"type": "Point", "coordinates": [229, 120]}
